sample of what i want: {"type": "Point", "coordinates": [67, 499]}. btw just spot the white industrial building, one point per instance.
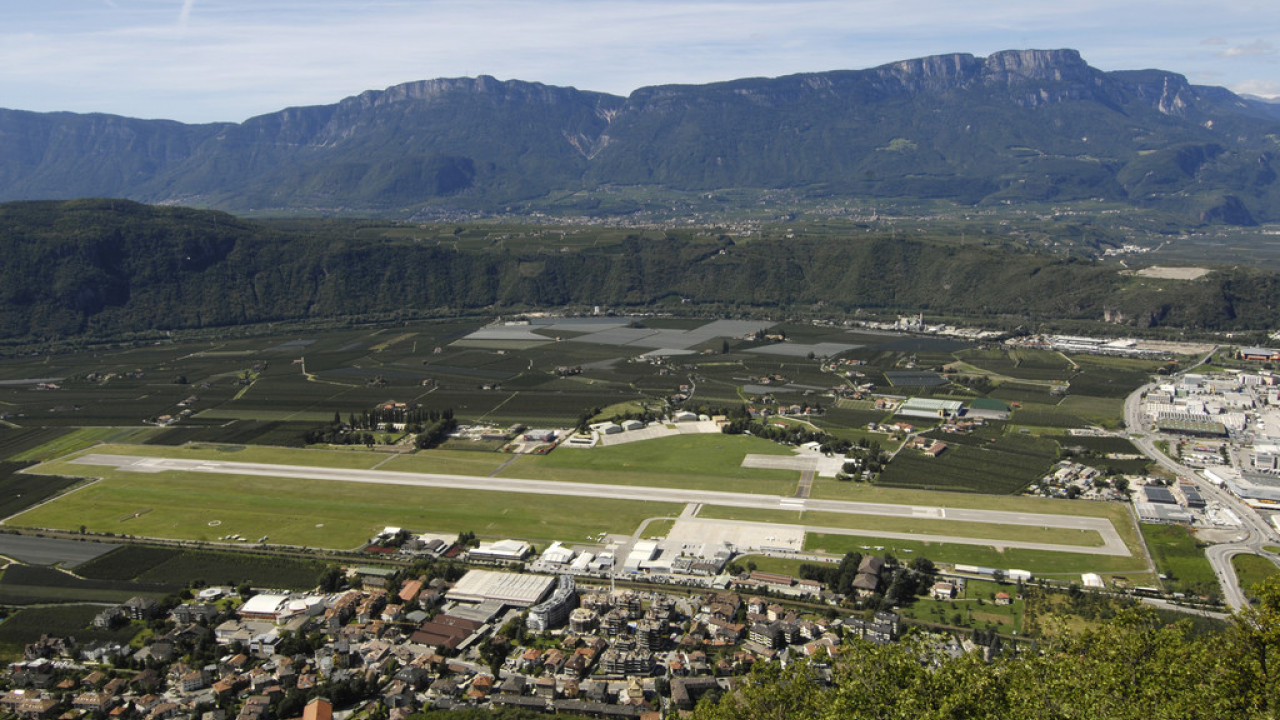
{"type": "Point", "coordinates": [641, 553]}
{"type": "Point", "coordinates": [265, 607]}
{"type": "Point", "coordinates": [501, 551]}
{"type": "Point", "coordinates": [558, 554]}
{"type": "Point", "coordinates": [516, 589]}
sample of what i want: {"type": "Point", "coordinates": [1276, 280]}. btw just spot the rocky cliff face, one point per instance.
{"type": "Point", "coordinates": [1017, 125]}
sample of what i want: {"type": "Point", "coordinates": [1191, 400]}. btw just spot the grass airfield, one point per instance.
{"type": "Point", "coordinates": [340, 515]}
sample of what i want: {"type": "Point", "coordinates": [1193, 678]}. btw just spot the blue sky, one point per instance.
{"type": "Point", "coordinates": [220, 60]}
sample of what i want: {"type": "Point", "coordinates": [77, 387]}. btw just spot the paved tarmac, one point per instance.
{"type": "Point", "coordinates": [1112, 543]}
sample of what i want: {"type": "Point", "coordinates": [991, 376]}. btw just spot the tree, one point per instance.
{"type": "Point", "coordinates": [331, 580]}
{"type": "Point", "coordinates": [923, 565]}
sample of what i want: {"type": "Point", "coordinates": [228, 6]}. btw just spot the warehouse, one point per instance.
{"type": "Point", "coordinates": [515, 589]}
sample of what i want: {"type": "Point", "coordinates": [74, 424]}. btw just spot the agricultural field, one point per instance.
{"type": "Point", "coordinates": [1056, 418]}
{"type": "Point", "coordinates": [19, 491]}
{"type": "Point", "coordinates": [1180, 557]}
{"type": "Point", "coordinates": [31, 585]}
{"type": "Point", "coordinates": [1020, 363]}
{"type": "Point", "coordinates": [68, 442]}
{"type": "Point", "coordinates": [183, 568]}
{"type": "Point", "coordinates": [968, 468]}
{"type": "Point", "coordinates": [28, 624]}
{"type": "Point", "coordinates": [270, 389]}
{"type": "Point", "coordinates": [17, 442]}
{"type": "Point", "coordinates": [126, 562]}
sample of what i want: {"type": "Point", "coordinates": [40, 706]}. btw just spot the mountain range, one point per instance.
{"type": "Point", "coordinates": [1014, 127]}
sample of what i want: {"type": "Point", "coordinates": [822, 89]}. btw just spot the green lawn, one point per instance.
{"type": "Point", "coordinates": [659, 528]}
{"type": "Point", "coordinates": [974, 607]}
{"type": "Point", "coordinates": [1066, 566]}
{"type": "Point", "coordinates": [1253, 569]}
{"type": "Point", "coordinates": [317, 513]}
{"type": "Point", "coordinates": [448, 462]}
{"type": "Point", "coordinates": [1120, 514]}
{"type": "Point", "coordinates": [767, 563]}
{"type": "Point", "coordinates": [703, 462]}
{"type": "Point", "coordinates": [1180, 557]}
{"type": "Point", "coordinates": [872, 523]}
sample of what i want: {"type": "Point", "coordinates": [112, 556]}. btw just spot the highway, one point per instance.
{"type": "Point", "coordinates": [1255, 532]}
{"type": "Point", "coordinates": [1112, 544]}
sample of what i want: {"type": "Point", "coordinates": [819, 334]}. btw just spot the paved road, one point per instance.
{"type": "Point", "coordinates": [1220, 558]}
{"type": "Point", "coordinates": [1112, 543]}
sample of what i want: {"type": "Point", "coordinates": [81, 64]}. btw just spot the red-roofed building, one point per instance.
{"type": "Point", "coordinates": [318, 709]}
{"type": "Point", "coordinates": [409, 591]}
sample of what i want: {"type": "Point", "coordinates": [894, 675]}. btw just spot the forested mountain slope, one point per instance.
{"type": "Point", "coordinates": [108, 267]}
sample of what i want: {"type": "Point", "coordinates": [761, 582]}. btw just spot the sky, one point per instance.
{"type": "Point", "coordinates": [228, 60]}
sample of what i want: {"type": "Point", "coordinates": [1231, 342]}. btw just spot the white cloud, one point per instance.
{"type": "Point", "coordinates": [1261, 88]}
{"type": "Point", "coordinates": [236, 58]}
{"type": "Point", "coordinates": [1257, 47]}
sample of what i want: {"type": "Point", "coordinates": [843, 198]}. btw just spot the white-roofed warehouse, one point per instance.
{"type": "Point", "coordinates": [518, 589]}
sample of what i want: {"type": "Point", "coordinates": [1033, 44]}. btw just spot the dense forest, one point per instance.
{"type": "Point", "coordinates": [107, 268]}
{"type": "Point", "coordinates": [1134, 667]}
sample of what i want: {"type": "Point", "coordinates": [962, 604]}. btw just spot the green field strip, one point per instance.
{"type": "Point", "coordinates": [317, 513]}
{"type": "Point", "coordinates": [862, 492]}
{"type": "Point", "coordinates": [448, 462]}
{"type": "Point", "coordinates": [1180, 557]}
{"type": "Point", "coordinates": [1066, 566]}
{"type": "Point", "coordinates": [1253, 569]}
{"type": "Point", "coordinates": [1120, 514]}
{"type": "Point", "coordinates": [696, 462]}
{"type": "Point", "coordinates": [995, 532]}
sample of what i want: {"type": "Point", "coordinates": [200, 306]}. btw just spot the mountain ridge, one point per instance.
{"type": "Point", "coordinates": [108, 269]}
{"type": "Point", "coordinates": [1014, 126]}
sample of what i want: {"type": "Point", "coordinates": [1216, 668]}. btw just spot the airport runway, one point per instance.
{"type": "Point", "coordinates": [1112, 543]}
